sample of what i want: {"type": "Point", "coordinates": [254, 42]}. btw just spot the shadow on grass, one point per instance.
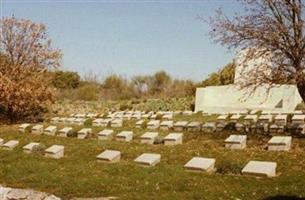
{"type": "Point", "coordinates": [282, 197]}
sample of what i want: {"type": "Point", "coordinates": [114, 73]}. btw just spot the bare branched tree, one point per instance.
{"type": "Point", "coordinates": [270, 29]}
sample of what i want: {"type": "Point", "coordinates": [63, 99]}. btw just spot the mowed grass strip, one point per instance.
{"type": "Point", "coordinates": [79, 174]}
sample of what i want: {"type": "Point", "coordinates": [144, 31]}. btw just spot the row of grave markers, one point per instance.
{"type": "Point", "coordinates": [253, 168]}
{"type": "Point", "coordinates": [276, 143]}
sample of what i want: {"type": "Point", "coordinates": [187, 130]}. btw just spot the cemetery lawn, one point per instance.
{"type": "Point", "coordinates": [79, 174]}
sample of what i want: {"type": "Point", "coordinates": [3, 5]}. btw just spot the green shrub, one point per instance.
{"type": "Point", "coordinates": [88, 92]}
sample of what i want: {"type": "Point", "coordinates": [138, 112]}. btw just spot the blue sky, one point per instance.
{"type": "Point", "coordinates": [130, 37]}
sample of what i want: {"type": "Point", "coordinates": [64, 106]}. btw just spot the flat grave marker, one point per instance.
{"type": "Point", "coordinates": [166, 125]}
{"type": "Point", "coordinates": [105, 134]}
{"type": "Point", "coordinates": [125, 136]}
{"type": "Point", "coordinates": [180, 125]}
{"type": "Point", "coordinates": [84, 133]}
{"type": "Point", "coordinates": [30, 147]}
{"type": "Point", "coordinates": [50, 130]}
{"type": "Point", "coordinates": [10, 145]}
{"type": "Point", "coordinates": [149, 137]}
{"type": "Point", "coordinates": [173, 139]}
{"type": "Point", "coordinates": [110, 156]}
{"type": "Point", "coordinates": [37, 129]}
{"type": "Point", "coordinates": [65, 131]}
{"type": "Point", "coordinates": [236, 142]}
{"type": "Point", "coordinates": [55, 151]}
{"type": "Point", "coordinates": [279, 143]}
{"type": "Point", "coordinates": [201, 164]}
{"type": "Point", "coordinates": [148, 159]}
{"type": "Point", "coordinates": [23, 127]}
{"type": "Point", "coordinates": [260, 169]}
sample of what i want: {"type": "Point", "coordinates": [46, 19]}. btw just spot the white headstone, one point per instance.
{"type": "Point", "coordinates": [236, 142]}
{"type": "Point", "coordinates": [37, 129]}
{"type": "Point", "coordinates": [201, 164]}
{"type": "Point", "coordinates": [173, 139]}
{"type": "Point", "coordinates": [23, 127]}
{"type": "Point", "coordinates": [125, 136]}
{"type": "Point", "coordinates": [153, 124]}
{"type": "Point", "coordinates": [149, 137]}
{"type": "Point", "coordinates": [30, 147]}
{"type": "Point", "coordinates": [109, 156]}
{"type": "Point", "coordinates": [166, 125]}
{"type": "Point", "coordinates": [84, 133]}
{"type": "Point", "coordinates": [55, 151]}
{"type": "Point", "coordinates": [148, 159]}
{"type": "Point", "coordinates": [105, 134]}
{"type": "Point", "coordinates": [194, 126]}
{"type": "Point", "coordinates": [180, 125]}
{"type": "Point", "coordinates": [260, 168]}
{"type": "Point", "coordinates": [50, 130]}
{"type": "Point", "coordinates": [65, 131]}
{"type": "Point", "coordinates": [279, 143]}
{"type": "Point", "coordinates": [10, 144]}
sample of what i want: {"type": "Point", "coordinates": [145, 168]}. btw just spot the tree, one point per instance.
{"type": "Point", "coordinates": [26, 55]}
{"type": "Point", "coordinates": [65, 79]}
{"type": "Point", "coordinates": [224, 76]}
{"type": "Point", "coordinates": [160, 81]}
{"type": "Point", "coordinates": [272, 29]}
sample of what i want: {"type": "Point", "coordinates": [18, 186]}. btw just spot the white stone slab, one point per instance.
{"type": "Point", "coordinates": [148, 159]}
{"type": "Point", "coordinates": [222, 118]}
{"type": "Point", "coordinates": [209, 127]}
{"type": "Point", "coordinates": [166, 125]}
{"type": "Point", "coordinates": [279, 143]}
{"type": "Point", "coordinates": [298, 112]}
{"type": "Point", "coordinates": [92, 115]}
{"type": "Point", "coordinates": [79, 121]}
{"type": "Point", "coordinates": [55, 151]}
{"type": "Point", "coordinates": [37, 129]}
{"type": "Point", "coordinates": [251, 118]}
{"type": "Point", "coordinates": [80, 115]}
{"type": "Point", "coordinates": [236, 142]}
{"type": "Point", "coordinates": [298, 119]}
{"type": "Point", "coordinates": [281, 119]}
{"type": "Point", "coordinates": [180, 125]}
{"type": "Point", "coordinates": [116, 123]}
{"type": "Point", "coordinates": [153, 124]}
{"type": "Point", "coordinates": [30, 147]}
{"type": "Point", "coordinates": [235, 117]}
{"type": "Point", "coordinates": [168, 116]}
{"type": "Point", "coordinates": [105, 134]}
{"type": "Point", "coordinates": [139, 123]}
{"type": "Point", "coordinates": [111, 156]}
{"type": "Point", "coordinates": [84, 133]}
{"type": "Point", "coordinates": [149, 137]}
{"type": "Point", "coordinates": [10, 145]}
{"type": "Point", "coordinates": [23, 127]}
{"type": "Point", "coordinates": [62, 120]}
{"type": "Point", "coordinates": [194, 126]}
{"type": "Point", "coordinates": [125, 136]}
{"type": "Point", "coordinates": [65, 131]}
{"type": "Point", "coordinates": [201, 164]}
{"type": "Point", "coordinates": [50, 130]}
{"type": "Point", "coordinates": [70, 120]}
{"type": "Point", "coordinates": [265, 118]}
{"type": "Point", "coordinates": [260, 168]}
{"type": "Point", "coordinates": [173, 139]}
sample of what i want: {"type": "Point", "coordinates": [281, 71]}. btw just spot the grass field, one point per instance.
{"type": "Point", "coordinates": [78, 174]}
